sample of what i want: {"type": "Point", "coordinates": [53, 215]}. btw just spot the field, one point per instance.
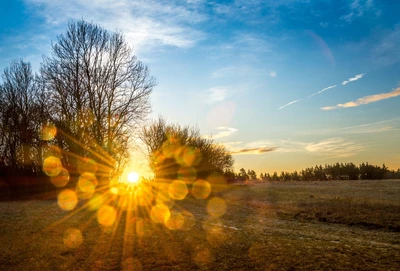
{"type": "Point", "coordinates": [337, 225]}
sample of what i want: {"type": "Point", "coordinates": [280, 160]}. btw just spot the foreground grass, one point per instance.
{"type": "Point", "coordinates": [344, 225]}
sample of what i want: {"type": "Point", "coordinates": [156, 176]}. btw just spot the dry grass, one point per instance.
{"type": "Point", "coordinates": [346, 225]}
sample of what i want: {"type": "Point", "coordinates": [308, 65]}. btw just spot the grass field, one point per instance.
{"type": "Point", "coordinates": [338, 225]}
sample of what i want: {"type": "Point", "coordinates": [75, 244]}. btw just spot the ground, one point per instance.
{"type": "Point", "coordinates": [337, 225]}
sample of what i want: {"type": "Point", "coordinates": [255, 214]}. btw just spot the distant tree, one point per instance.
{"type": "Point", "coordinates": [337, 171]}
{"type": "Point", "coordinates": [99, 94]}
{"type": "Point", "coordinates": [243, 175]}
{"type": "Point", "coordinates": [319, 173]}
{"type": "Point", "coordinates": [174, 152]}
{"type": "Point", "coordinates": [307, 174]}
{"type": "Point", "coordinates": [252, 175]}
{"type": "Point", "coordinates": [295, 176]}
{"type": "Point", "coordinates": [275, 176]}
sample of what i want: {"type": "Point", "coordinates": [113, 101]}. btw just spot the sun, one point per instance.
{"type": "Point", "coordinates": [133, 177]}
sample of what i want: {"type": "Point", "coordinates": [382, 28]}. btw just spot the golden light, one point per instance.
{"type": "Point", "coordinates": [106, 215]}
{"type": "Point", "coordinates": [133, 177]}
{"type": "Point", "coordinates": [67, 199]}
{"type": "Point", "coordinates": [52, 166]}
{"type": "Point", "coordinates": [73, 238]}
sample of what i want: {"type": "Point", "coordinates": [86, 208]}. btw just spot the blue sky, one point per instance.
{"type": "Point", "coordinates": [283, 84]}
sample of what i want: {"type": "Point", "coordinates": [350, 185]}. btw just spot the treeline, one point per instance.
{"type": "Point", "coordinates": [338, 171]}
{"type": "Point", "coordinates": [81, 110]}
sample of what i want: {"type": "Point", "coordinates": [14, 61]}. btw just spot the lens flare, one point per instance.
{"type": "Point", "coordinates": [61, 179]}
{"type": "Point", "coordinates": [201, 189]}
{"type": "Point", "coordinates": [73, 238]}
{"type": "Point", "coordinates": [175, 221]}
{"type": "Point", "coordinates": [216, 207]}
{"type": "Point", "coordinates": [187, 174]}
{"type": "Point", "coordinates": [177, 190]}
{"type": "Point", "coordinates": [106, 215]}
{"type": "Point", "coordinates": [67, 200]}
{"type": "Point", "coordinates": [52, 166]}
{"type": "Point", "coordinates": [191, 156]}
{"type": "Point", "coordinates": [49, 131]}
{"type": "Point", "coordinates": [160, 213]}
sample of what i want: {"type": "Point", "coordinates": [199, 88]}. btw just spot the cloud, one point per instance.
{"type": "Point", "coordinates": [367, 124]}
{"type": "Point", "coordinates": [144, 23]}
{"type": "Point", "coordinates": [253, 151]}
{"type": "Point", "coordinates": [375, 130]}
{"type": "Point", "coordinates": [365, 100]}
{"type": "Point", "coordinates": [387, 50]}
{"type": "Point", "coordinates": [335, 147]}
{"type": "Point", "coordinates": [223, 132]}
{"type": "Point", "coordinates": [272, 74]}
{"type": "Point", "coordinates": [359, 76]}
{"type": "Point", "coordinates": [216, 94]}
{"type": "Point", "coordinates": [355, 78]}
{"type": "Point", "coordinates": [292, 102]}
{"type": "Point", "coordinates": [358, 8]}
{"type": "Point", "coordinates": [322, 90]}
{"type": "Point", "coordinates": [331, 147]}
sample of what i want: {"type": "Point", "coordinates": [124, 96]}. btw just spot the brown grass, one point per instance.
{"type": "Point", "coordinates": [346, 225]}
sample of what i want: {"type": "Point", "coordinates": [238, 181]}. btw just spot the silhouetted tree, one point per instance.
{"type": "Point", "coordinates": [252, 175]}
{"type": "Point", "coordinates": [174, 152]}
{"type": "Point", "coordinates": [22, 114]}
{"type": "Point", "coordinates": [99, 93]}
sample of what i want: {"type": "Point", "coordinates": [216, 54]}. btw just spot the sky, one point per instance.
{"type": "Point", "coordinates": [283, 85]}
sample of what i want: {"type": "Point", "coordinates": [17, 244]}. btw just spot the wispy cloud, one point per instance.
{"type": "Point", "coordinates": [216, 94]}
{"type": "Point", "coordinates": [222, 132]}
{"type": "Point", "coordinates": [358, 8]}
{"type": "Point", "coordinates": [375, 130]}
{"type": "Point", "coordinates": [367, 124]}
{"type": "Point", "coordinates": [366, 100]}
{"type": "Point", "coordinates": [355, 78]}
{"type": "Point", "coordinates": [144, 23]}
{"type": "Point", "coordinates": [322, 90]}
{"type": "Point", "coordinates": [330, 147]}
{"type": "Point", "coordinates": [335, 147]}
{"type": "Point", "coordinates": [273, 74]}
{"type": "Point", "coordinates": [292, 102]}
{"type": "Point", "coordinates": [387, 50]}
{"type": "Point", "coordinates": [253, 151]}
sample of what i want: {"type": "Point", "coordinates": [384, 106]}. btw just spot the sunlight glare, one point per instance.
{"type": "Point", "coordinates": [133, 177]}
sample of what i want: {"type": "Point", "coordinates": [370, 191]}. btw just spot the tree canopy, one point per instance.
{"type": "Point", "coordinates": [99, 93]}
{"type": "Point", "coordinates": [82, 109]}
{"type": "Point", "coordinates": [180, 152]}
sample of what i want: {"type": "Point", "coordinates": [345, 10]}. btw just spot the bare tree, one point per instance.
{"type": "Point", "coordinates": [18, 134]}
{"type": "Point", "coordinates": [99, 94]}
{"type": "Point", "coordinates": [172, 149]}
